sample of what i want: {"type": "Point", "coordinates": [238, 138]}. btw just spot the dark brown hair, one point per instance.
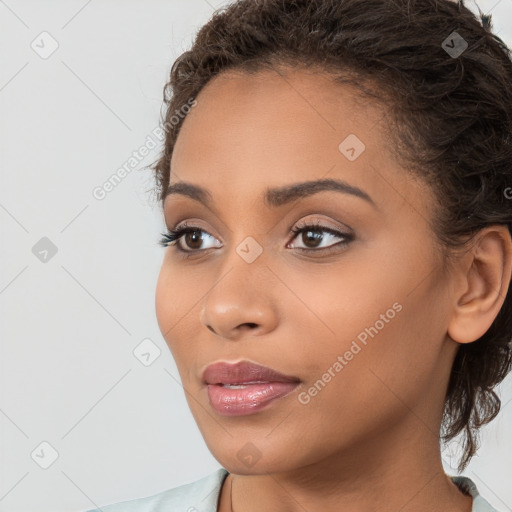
{"type": "Point", "coordinates": [451, 116]}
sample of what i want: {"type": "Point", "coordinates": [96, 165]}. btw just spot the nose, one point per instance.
{"type": "Point", "coordinates": [241, 303]}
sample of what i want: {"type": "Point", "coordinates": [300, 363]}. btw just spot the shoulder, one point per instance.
{"type": "Point", "coordinates": [469, 487]}
{"type": "Point", "coordinates": [199, 496]}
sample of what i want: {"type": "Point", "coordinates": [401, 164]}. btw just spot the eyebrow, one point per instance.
{"type": "Point", "coordinates": [279, 196]}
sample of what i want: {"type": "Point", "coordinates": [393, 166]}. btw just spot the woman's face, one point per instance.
{"type": "Point", "coordinates": [356, 308]}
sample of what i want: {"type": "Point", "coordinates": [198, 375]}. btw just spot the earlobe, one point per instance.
{"type": "Point", "coordinates": [486, 271]}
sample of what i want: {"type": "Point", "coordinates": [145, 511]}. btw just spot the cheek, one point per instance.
{"type": "Point", "coordinates": [353, 388]}
{"type": "Point", "coordinates": [170, 301]}
{"type": "Point", "coordinates": [178, 296]}
{"type": "Point", "coordinates": [384, 321]}
{"type": "Point", "coordinates": [163, 300]}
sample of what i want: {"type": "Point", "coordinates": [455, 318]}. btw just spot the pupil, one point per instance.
{"type": "Point", "coordinates": [314, 235]}
{"type": "Point", "coordinates": [190, 239]}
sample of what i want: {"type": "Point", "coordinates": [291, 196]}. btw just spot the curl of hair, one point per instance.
{"type": "Point", "coordinates": [450, 123]}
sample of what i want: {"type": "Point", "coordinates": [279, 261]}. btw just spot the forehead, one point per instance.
{"type": "Point", "coordinates": [271, 108]}
{"type": "Point", "coordinates": [268, 129]}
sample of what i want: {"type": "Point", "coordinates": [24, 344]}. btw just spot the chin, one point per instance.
{"type": "Point", "coordinates": [249, 455]}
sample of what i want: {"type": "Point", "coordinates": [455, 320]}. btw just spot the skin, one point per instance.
{"type": "Point", "coordinates": [369, 439]}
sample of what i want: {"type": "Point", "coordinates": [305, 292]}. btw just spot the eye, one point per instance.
{"type": "Point", "coordinates": [313, 238]}
{"type": "Point", "coordinates": [193, 236]}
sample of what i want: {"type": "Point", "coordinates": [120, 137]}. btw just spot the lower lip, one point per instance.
{"type": "Point", "coordinates": [248, 400]}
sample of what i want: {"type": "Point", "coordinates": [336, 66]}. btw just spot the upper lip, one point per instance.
{"type": "Point", "coordinates": [243, 372]}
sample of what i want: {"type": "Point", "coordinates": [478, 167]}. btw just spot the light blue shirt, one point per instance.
{"type": "Point", "coordinates": [202, 496]}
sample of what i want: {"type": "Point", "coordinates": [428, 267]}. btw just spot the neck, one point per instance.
{"type": "Point", "coordinates": [390, 472]}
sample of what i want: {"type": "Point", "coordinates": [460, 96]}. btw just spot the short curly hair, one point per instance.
{"type": "Point", "coordinates": [452, 125]}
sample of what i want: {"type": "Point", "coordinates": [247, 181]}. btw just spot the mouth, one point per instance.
{"type": "Point", "coordinates": [243, 388]}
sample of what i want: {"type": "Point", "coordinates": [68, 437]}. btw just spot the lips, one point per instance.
{"type": "Point", "coordinates": [242, 373]}
{"type": "Point", "coordinates": [245, 388]}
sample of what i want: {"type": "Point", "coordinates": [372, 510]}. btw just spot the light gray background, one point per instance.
{"type": "Point", "coordinates": [69, 326]}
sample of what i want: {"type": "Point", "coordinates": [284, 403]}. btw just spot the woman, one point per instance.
{"type": "Point", "coordinates": [336, 284]}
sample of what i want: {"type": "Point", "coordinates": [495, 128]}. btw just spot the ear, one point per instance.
{"type": "Point", "coordinates": [483, 277]}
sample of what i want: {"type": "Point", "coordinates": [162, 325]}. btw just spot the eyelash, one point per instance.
{"type": "Point", "coordinates": [173, 235]}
